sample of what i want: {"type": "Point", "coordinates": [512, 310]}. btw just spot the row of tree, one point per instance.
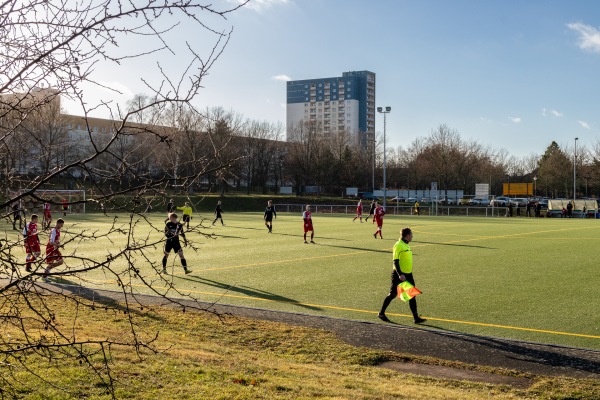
{"type": "Point", "coordinates": [223, 151]}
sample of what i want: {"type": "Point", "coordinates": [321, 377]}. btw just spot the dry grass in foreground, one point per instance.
{"type": "Point", "coordinates": [201, 356]}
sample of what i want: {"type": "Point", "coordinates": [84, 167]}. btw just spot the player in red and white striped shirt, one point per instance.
{"type": "Point", "coordinates": [32, 242]}
{"type": "Point", "coordinates": [53, 255]}
{"type": "Point", "coordinates": [308, 225]}
{"type": "Point", "coordinates": [379, 213]}
{"type": "Point", "coordinates": [359, 210]}
{"type": "Point", "coordinates": [47, 216]}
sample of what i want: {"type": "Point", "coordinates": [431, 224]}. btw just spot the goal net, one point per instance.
{"type": "Point", "coordinates": [69, 201]}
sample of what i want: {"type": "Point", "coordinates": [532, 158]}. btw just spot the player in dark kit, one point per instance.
{"type": "Point", "coordinates": [269, 214]}
{"type": "Point", "coordinates": [371, 211]}
{"type": "Point", "coordinates": [218, 212]}
{"type": "Point", "coordinates": [18, 215]}
{"type": "Point", "coordinates": [170, 208]}
{"type": "Point", "coordinates": [173, 230]}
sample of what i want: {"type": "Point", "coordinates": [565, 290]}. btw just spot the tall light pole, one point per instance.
{"type": "Point", "coordinates": [535, 186]}
{"type": "Point", "coordinates": [387, 110]}
{"type": "Point", "coordinates": [373, 156]}
{"type": "Point", "coordinates": [575, 169]}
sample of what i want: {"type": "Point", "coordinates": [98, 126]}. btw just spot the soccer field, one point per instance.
{"type": "Point", "coordinates": [522, 278]}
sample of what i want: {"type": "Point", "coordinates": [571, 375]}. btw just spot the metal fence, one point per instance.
{"type": "Point", "coordinates": [429, 209]}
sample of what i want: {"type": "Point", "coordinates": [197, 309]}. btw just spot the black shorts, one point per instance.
{"type": "Point", "coordinates": [268, 219]}
{"type": "Point", "coordinates": [172, 245]}
{"type": "Point", "coordinates": [396, 281]}
{"type": "Point", "coordinates": [186, 218]}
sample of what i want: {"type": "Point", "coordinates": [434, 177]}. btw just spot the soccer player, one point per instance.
{"type": "Point", "coordinates": [379, 213]}
{"type": "Point", "coordinates": [371, 211]}
{"type": "Point", "coordinates": [170, 209]}
{"type": "Point", "coordinates": [187, 214]}
{"type": "Point", "coordinates": [173, 230]}
{"type": "Point", "coordinates": [401, 272]}
{"type": "Point", "coordinates": [359, 212]}
{"type": "Point", "coordinates": [65, 207]}
{"type": "Point", "coordinates": [269, 214]}
{"type": "Point", "coordinates": [308, 225]}
{"type": "Point", "coordinates": [47, 219]}
{"type": "Point", "coordinates": [18, 214]}
{"type": "Point", "coordinates": [32, 242]}
{"type": "Point", "coordinates": [53, 255]}
{"type": "Point", "coordinates": [218, 212]}
{"type": "Point", "coordinates": [417, 208]}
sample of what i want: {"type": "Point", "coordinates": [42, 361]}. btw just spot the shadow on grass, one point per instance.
{"type": "Point", "coordinates": [523, 352]}
{"type": "Point", "coordinates": [97, 297]}
{"type": "Point", "coordinates": [356, 248]}
{"type": "Point", "coordinates": [455, 245]}
{"type": "Point", "coordinates": [250, 292]}
{"type": "Point", "coordinates": [229, 237]}
{"type": "Point", "coordinates": [299, 235]}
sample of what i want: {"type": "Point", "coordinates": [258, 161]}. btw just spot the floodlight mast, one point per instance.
{"type": "Point", "coordinates": [387, 110]}
{"type": "Point", "coordinates": [575, 169]}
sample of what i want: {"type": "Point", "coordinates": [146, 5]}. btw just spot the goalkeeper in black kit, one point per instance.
{"type": "Point", "coordinates": [173, 230]}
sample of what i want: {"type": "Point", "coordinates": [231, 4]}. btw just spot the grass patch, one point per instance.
{"type": "Point", "coordinates": [201, 356]}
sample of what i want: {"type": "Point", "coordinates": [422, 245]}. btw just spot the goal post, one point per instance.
{"type": "Point", "coordinates": [73, 200]}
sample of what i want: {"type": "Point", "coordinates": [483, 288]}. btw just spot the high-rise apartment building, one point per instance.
{"type": "Point", "coordinates": [345, 103]}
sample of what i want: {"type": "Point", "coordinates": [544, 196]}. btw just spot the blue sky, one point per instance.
{"type": "Point", "coordinates": [509, 74]}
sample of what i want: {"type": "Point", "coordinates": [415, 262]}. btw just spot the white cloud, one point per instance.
{"type": "Point", "coordinates": [556, 113]}
{"type": "Point", "coordinates": [516, 120]}
{"type": "Point", "coordinates": [589, 37]}
{"type": "Point", "coordinates": [584, 124]}
{"type": "Point", "coordinates": [281, 77]}
{"type": "Point", "coordinates": [259, 5]}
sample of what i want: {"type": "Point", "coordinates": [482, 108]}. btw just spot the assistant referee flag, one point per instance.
{"type": "Point", "coordinates": [407, 291]}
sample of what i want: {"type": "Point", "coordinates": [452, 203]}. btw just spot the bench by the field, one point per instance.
{"type": "Point", "coordinates": [555, 208]}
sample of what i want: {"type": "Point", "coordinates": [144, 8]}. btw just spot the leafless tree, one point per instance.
{"type": "Point", "coordinates": [261, 153]}
{"type": "Point", "coordinates": [51, 49]}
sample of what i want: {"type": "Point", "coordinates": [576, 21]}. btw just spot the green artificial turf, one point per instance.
{"type": "Point", "coordinates": [522, 278]}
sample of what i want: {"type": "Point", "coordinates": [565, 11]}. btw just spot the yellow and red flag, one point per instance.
{"type": "Point", "coordinates": [407, 291]}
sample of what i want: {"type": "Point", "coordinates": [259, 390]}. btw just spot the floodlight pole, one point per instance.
{"type": "Point", "coordinates": [373, 156]}
{"type": "Point", "coordinates": [575, 169]}
{"type": "Point", "coordinates": [387, 110]}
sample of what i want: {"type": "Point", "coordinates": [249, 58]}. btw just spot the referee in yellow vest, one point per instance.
{"type": "Point", "coordinates": [402, 271]}
{"type": "Point", "coordinates": [187, 214]}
